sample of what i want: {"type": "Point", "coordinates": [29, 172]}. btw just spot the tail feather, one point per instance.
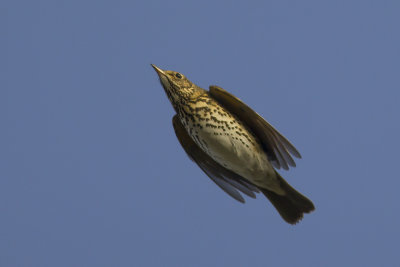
{"type": "Point", "coordinates": [290, 206]}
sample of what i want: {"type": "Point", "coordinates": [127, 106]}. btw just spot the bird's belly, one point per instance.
{"type": "Point", "coordinates": [238, 154]}
{"type": "Point", "coordinates": [226, 140]}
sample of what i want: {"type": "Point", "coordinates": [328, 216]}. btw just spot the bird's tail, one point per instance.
{"type": "Point", "coordinates": [290, 206]}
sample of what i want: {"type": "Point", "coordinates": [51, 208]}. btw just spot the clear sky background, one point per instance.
{"type": "Point", "coordinates": [91, 173]}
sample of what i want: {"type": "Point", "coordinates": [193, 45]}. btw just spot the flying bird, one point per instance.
{"type": "Point", "coordinates": [233, 144]}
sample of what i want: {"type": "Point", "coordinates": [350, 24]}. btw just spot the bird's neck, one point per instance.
{"type": "Point", "coordinates": [185, 101]}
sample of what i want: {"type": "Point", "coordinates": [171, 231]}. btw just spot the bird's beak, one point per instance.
{"type": "Point", "coordinates": [158, 70]}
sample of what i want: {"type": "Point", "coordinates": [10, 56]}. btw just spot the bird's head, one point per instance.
{"type": "Point", "coordinates": [177, 87]}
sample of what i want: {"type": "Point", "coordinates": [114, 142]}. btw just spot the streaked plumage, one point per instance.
{"type": "Point", "coordinates": [233, 145]}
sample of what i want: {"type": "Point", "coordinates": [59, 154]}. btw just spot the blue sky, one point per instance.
{"type": "Point", "coordinates": [91, 173]}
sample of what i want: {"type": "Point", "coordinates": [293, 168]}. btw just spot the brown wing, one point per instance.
{"type": "Point", "coordinates": [277, 147]}
{"type": "Point", "coordinates": [227, 180]}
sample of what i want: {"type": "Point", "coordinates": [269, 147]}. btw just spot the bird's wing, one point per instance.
{"type": "Point", "coordinates": [277, 147]}
{"type": "Point", "coordinates": [227, 180]}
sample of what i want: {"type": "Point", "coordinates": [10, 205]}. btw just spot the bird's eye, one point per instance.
{"type": "Point", "coordinates": [178, 75]}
